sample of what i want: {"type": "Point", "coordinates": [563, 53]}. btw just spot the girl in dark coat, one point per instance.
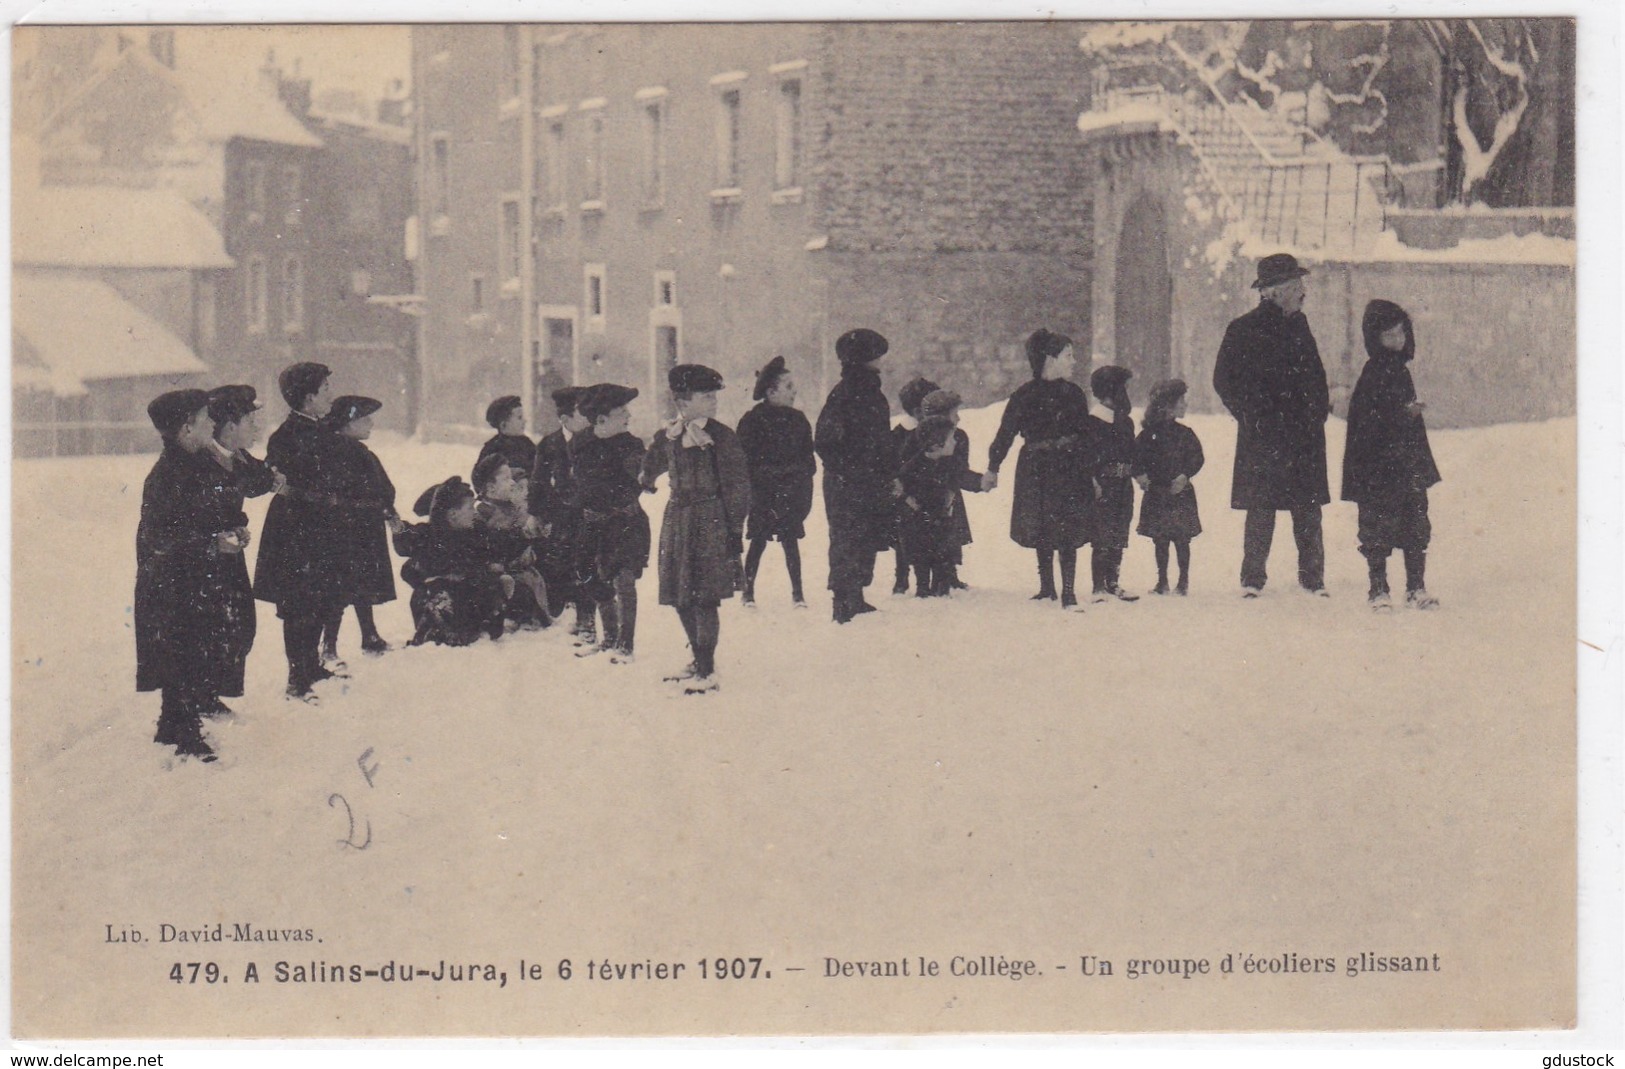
{"type": "Point", "coordinates": [233, 475]}
{"type": "Point", "coordinates": [615, 529]}
{"type": "Point", "coordinates": [177, 546]}
{"type": "Point", "coordinates": [1167, 455]}
{"type": "Point", "coordinates": [365, 508]}
{"type": "Point", "coordinates": [554, 501]}
{"type": "Point", "coordinates": [294, 571]}
{"type": "Point", "coordinates": [935, 472]}
{"type": "Point", "coordinates": [702, 535]}
{"type": "Point", "coordinates": [1387, 463]}
{"type": "Point", "coordinates": [507, 415]}
{"type": "Point", "coordinates": [458, 593]}
{"type": "Point", "coordinates": [1114, 467]}
{"type": "Point", "coordinates": [778, 444]}
{"type": "Point", "coordinates": [1054, 496]}
{"type": "Point", "coordinates": [853, 439]}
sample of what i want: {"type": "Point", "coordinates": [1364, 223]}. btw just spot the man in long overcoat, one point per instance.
{"type": "Point", "coordinates": [853, 439]}
{"type": "Point", "coordinates": [296, 569]}
{"type": "Point", "coordinates": [1269, 375]}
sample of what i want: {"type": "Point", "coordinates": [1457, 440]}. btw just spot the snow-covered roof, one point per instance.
{"type": "Point", "coordinates": [231, 103]}
{"type": "Point", "coordinates": [106, 226]}
{"type": "Point", "coordinates": [80, 330]}
{"type": "Point", "coordinates": [1145, 114]}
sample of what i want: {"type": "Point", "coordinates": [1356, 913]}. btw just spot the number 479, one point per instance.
{"type": "Point", "coordinates": [192, 971]}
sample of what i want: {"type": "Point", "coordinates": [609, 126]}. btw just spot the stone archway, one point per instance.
{"type": "Point", "coordinates": [1143, 304]}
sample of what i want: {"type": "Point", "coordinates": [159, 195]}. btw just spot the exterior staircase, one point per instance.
{"type": "Point", "coordinates": [1292, 188]}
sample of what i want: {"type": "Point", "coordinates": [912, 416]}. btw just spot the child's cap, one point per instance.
{"type": "Point", "coordinates": [230, 403]}
{"type": "Point", "coordinates": [690, 379]}
{"type": "Point", "coordinates": [769, 377]}
{"type": "Point", "coordinates": [603, 399]}
{"type": "Point", "coordinates": [1105, 381]}
{"type": "Point", "coordinates": [938, 403]}
{"type": "Point", "coordinates": [498, 411]}
{"type": "Point", "coordinates": [566, 398]}
{"type": "Point", "coordinates": [912, 394]}
{"type": "Point", "coordinates": [485, 472]}
{"type": "Point", "coordinates": [349, 408]}
{"type": "Point", "coordinates": [447, 496]}
{"type": "Point", "coordinates": [171, 411]}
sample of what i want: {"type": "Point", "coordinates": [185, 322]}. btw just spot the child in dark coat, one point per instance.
{"type": "Point", "coordinates": [778, 443]}
{"type": "Point", "coordinates": [1167, 455]}
{"type": "Point", "coordinates": [702, 535]}
{"type": "Point", "coordinates": [1114, 467]}
{"type": "Point", "coordinates": [615, 529]}
{"type": "Point", "coordinates": [1387, 463]}
{"type": "Point", "coordinates": [555, 502]}
{"type": "Point", "coordinates": [513, 535]}
{"type": "Point", "coordinates": [458, 593]}
{"type": "Point", "coordinates": [908, 399]}
{"type": "Point", "coordinates": [507, 415]}
{"type": "Point", "coordinates": [366, 507]}
{"type": "Point", "coordinates": [935, 472]}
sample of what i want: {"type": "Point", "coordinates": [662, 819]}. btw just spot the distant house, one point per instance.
{"type": "Point", "coordinates": [601, 202]}
{"type": "Point", "coordinates": [113, 301]}
{"type": "Point", "coordinates": [313, 230]}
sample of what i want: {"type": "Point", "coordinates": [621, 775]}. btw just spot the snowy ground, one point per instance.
{"type": "Point", "coordinates": [976, 775]}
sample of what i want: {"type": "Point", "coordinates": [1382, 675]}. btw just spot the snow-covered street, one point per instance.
{"type": "Point", "coordinates": [1199, 775]}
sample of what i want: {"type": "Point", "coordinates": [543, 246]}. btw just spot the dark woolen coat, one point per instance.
{"type": "Point", "coordinates": [519, 450]}
{"type": "Point", "coordinates": [778, 446]}
{"type": "Point", "coordinates": [456, 596]}
{"type": "Point", "coordinates": [227, 587]}
{"type": "Point", "coordinates": [702, 535]}
{"type": "Point", "coordinates": [1387, 453]}
{"type": "Point", "coordinates": [360, 557]}
{"type": "Point", "coordinates": [935, 528]}
{"type": "Point", "coordinates": [173, 542]}
{"type": "Point", "coordinates": [295, 565]}
{"type": "Point", "coordinates": [555, 501]}
{"type": "Point", "coordinates": [1163, 451]}
{"type": "Point", "coordinates": [853, 439]}
{"type": "Point", "coordinates": [615, 529]}
{"type": "Point", "coordinates": [1269, 375]}
{"type": "Point", "coordinates": [1113, 444]}
{"type": "Point", "coordinates": [1054, 497]}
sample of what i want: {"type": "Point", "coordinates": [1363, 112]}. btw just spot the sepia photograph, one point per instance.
{"type": "Point", "coordinates": [1105, 501]}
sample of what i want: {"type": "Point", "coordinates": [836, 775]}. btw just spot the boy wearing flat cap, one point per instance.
{"type": "Point", "coordinates": [702, 536]}
{"type": "Point", "coordinates": [293, 572]}
{"type": "Point", "coordinates": [554, 502]}
{"type": "Point", "coordinates": [615, 529]}
{"type": "Point", "coordinates": [365, 496]}
{"type": "Point", "coordinates": [177, 546]}
{"type": "Point", "coordinates": [507, 415]}
{"type": "Point", "coordinates": [778, 444]}
{"type": "Point", "coordinates": [853, 439]}
{"type": "Point", "coordinates": [935, 472]}
{"type": "Point", "coordinates": [1113, 443]}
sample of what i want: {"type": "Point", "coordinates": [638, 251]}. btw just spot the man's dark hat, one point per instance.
{"type": "Point", "coordinates": [566, 398]}
{"type": "Point", "coordinates": [298, 381]}
{"type": "Point", "coordinates": [938, 403]}
{"type": "Point", "coordinates": [486, 469]}
{"type": "Point", "coordinates": [916, 391]}
{"type": "Point", "coordinates": [860, 346]}
{"type": "Point", "coordinates": [769, 377]}
{"type": "Point", "coordinates": [227, 404]}
{"type": "Point", "coordinates": [1276, 269]}
{"type": "Point", "coordinates": [1043, 344]}
{"type": "Point", "coordinates": [497, 412]}
{"type": "Point", "coordinates": [604, 398]}
{"type": "Point", "coordinates": [1107, 380]}
{"type": "Point", "coordinates": [171, 411]}
{"type": "Point", "coordinates": [693, 378]}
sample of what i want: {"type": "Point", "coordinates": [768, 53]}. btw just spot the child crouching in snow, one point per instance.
{"type": "Point", "coordinates": [935, 472]}
{"type": "Point", "coordinates": [1166, 456]}
{"type": "Point", "coordinates": [1387, 463]}
{"type": "Point", "coordinates": [513, 536]}
{"type": "Point", "coordinates": [458, 593]}
{"type": "Point", "coordinates": [702, 536]}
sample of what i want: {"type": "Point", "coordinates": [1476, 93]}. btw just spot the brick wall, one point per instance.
{"type": "Point", "coordinates": [954, 137]}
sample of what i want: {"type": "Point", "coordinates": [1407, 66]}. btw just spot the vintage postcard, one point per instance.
{"type": "Point", "coordinates": [794, 528]}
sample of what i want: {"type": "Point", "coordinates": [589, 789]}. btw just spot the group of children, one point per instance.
{"type": "Point", "coordinates": [544, 527]}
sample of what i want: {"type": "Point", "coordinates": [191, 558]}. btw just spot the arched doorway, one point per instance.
{"type": "Point", "coordinates": [1144, 305]}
